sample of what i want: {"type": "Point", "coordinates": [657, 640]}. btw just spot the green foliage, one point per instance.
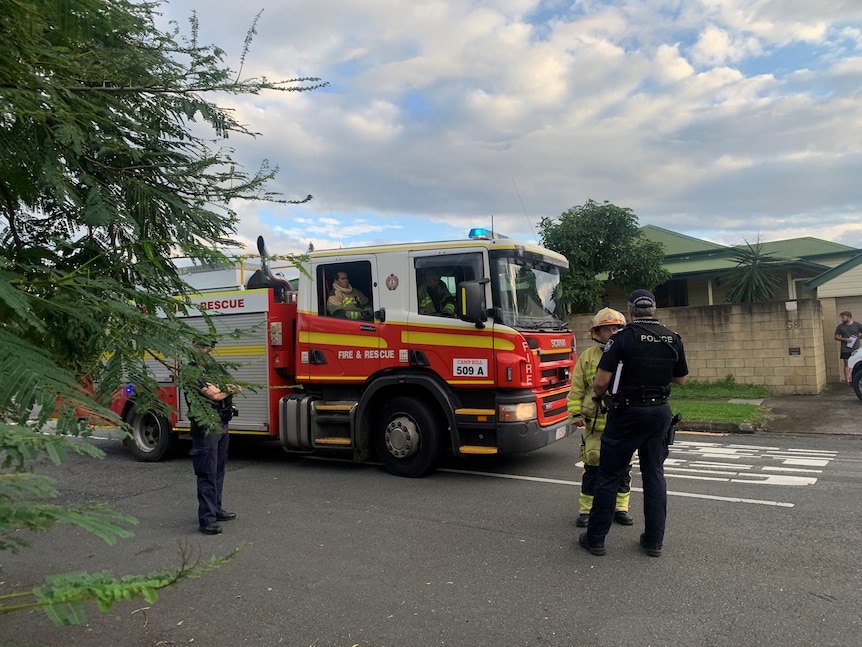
{"type": "Point", "coordinates": [62, 596]}
{"type": "Point", "coordinates": [755, 276]}
{"type": "Point", "coordinates": [708, 401]}
{"type": "Point", "coordinates": [597, 239]}
{"type": "Point", "coordinates": [721, 412]}
{"type": "Point", "coordinates": [104, 184]}
{"type": "Point", "coordinates": [726, 388]}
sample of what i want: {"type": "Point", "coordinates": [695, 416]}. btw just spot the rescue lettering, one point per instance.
{"type": "Point", "coordinates": [223, 304]}
{"type": "Point", "coordinates": [380, 354]}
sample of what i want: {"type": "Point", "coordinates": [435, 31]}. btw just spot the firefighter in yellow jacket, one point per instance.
{"type": "Point", "coordinates": [434, 296]}
{"type": "Point", "coordinates": [346, 302]}
{"type": "Point", "coordinates": [585, 414]}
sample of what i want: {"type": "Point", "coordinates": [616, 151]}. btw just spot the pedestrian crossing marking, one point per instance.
{"type": "Point", "coordinates": [730, 463]}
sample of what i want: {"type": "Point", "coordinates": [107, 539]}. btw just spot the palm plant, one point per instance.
{"type": "Point", "coordinates": [754, 278]}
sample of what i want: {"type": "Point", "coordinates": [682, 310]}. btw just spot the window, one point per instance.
{"type": "Point", "coordinates": [672, 294]}
{"type": "Point", "coordinates": [438, 277]}
{"type": "Point", "coordinates": [345, 290]}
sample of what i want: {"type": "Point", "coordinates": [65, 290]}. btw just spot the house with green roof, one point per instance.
{"type": "Point", "coordinates": [700, 269]}
{"type": "Point", "coordinates": [808, 268]}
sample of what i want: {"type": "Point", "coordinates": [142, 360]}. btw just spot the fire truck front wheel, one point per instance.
{"type": "Point", "coordinates": [408, 437]}
{"type": "Point", "coordinates": [152, 438]}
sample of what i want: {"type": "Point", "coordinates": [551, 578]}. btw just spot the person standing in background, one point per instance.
{"type": "Point", "coordinates": [849, 334]}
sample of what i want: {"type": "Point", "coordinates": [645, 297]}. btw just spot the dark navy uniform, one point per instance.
{"type": "Point", "coordinates": [643, 357]}
{"type": "Point", "coordinates": [209, 460]}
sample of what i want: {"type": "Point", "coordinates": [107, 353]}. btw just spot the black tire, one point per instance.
{"type": "Point", "coordinates": [152, 438]}
{"type": "Point", "coordinates": [408, 437]}
{"type": "Point", "coordinates": [857, 381]}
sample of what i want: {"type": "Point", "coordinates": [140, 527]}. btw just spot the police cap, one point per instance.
{"type": "Point", "coordinates": [642, 299]}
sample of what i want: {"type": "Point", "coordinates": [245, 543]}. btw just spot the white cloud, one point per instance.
{"type": "Point", "coordinates": [671, 66]}
{"type": "Point", "coordinates": [718, 47]}
{"type": "Point", "coordinates": [731, 115]}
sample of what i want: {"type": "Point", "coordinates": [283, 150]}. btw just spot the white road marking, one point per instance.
{"type": "Point", "coordinates": [691, 469]}
{"type": "Point", "coordinates": [691, 495]}
{"type": "Point", "coordinates": [685, 456]}
{"type": "Point", "coordinates": [709, 464]}
{"type": "Point", "coordinates": [810, 462]}
{"type": "Point", "coordinates": [776, 468]}
{"type": "Point", "coordinates": [778, 479]}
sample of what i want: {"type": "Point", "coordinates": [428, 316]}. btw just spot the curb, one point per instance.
{"type": "Point", "coordinates": [697, 426]}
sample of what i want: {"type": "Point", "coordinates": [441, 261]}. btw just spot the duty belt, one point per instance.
{"type": "Point", "coordinates": [644, 402]}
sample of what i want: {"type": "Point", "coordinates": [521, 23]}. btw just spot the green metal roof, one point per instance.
{"type": "Point", "coordinates": [806, 247]}
{"type": "Point", "coordinates": [698, 265]}
{"type": "Point", "coordinates": [685, 255]}
{"type": "Point", "coordinates": [676, 243]}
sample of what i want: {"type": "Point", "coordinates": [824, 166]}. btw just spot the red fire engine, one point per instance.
{"type": "Point", "coordinates": [402, 383]}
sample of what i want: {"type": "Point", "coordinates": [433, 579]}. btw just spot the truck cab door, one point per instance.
{"type": "Point", "coordinates": [459, 351]}
{"type": "Point", "coordinates": [337, 342]}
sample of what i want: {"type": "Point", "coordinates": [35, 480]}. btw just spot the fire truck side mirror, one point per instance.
{"type": "Point", "coordinates": [470, 302]}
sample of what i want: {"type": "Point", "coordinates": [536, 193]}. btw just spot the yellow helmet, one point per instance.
{"type": "Point", "coordinates": [607, 317]}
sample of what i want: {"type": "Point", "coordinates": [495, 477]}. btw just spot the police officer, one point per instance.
{"type": "Point", "coordinates": [210, 448]}
{"type": "Point", "coordinates": [637, 367]}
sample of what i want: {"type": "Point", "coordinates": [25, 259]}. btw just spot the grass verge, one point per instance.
{"type": "Point", "coordinates": [720, 390]}
{"type": "Point", "coordinates": [705, 411]}
{"type": "Point", "coordinates": [708, 402]}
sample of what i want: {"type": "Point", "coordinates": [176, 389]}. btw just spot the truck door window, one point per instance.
{"type": "Point", "coordinates": [345, 290]}
{"type": "Point", "coordinates": [437, 278]}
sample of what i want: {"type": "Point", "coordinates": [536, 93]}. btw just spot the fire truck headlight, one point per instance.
{"type": "Point", "coordinates": [518, 412]}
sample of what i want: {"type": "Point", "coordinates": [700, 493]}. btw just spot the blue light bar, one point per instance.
{"type": "Point", "coordinates": [479, 233]}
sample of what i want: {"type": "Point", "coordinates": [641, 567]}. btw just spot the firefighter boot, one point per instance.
{"type": "Point", "coordinates": [623, 518]}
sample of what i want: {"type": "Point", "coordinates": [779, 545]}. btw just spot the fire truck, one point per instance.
{"type": "Point", "coordinates": [400, 385]}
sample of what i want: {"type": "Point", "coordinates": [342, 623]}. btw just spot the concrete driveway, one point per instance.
{"type": "Point", "coordinates": [836, 410]}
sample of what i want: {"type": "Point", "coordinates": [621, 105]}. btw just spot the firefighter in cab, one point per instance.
{"type": "Point", "coordinates": [434, 296]}
{"type": "Point", "coordinates": [590, 420]}
{"type": "Point", "coordinates": [347, 302]}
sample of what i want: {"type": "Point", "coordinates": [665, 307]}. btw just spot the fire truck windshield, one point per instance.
{"type": "Point", "coordinates": [527, 294]}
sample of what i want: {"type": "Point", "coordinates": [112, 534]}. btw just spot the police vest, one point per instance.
{"type": "Point", "coordinates": [649, 363]}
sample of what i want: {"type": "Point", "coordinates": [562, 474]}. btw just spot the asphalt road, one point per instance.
{"type": "Point", "coordinates": [762, 548]}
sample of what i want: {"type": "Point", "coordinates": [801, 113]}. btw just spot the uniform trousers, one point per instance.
{"type": "Point", "coordinates": [629, 429]}
{"type": "Point", "coordinates": [209, 458]}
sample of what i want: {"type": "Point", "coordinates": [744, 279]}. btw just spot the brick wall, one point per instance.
{"type": "Point", "coordinates": [775, 343]}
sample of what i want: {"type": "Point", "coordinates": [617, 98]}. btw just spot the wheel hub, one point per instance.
{"type": "Point", "coordinates": [402, 437]}
{"type": "Point", "coordinates": [148, 433]}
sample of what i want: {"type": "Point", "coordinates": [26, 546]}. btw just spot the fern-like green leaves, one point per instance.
{"type": "Point", "coordinates": [105, 189]}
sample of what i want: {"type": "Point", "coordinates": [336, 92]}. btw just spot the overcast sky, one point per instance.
{"type": "Point", "coordinates": [727, 120]}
